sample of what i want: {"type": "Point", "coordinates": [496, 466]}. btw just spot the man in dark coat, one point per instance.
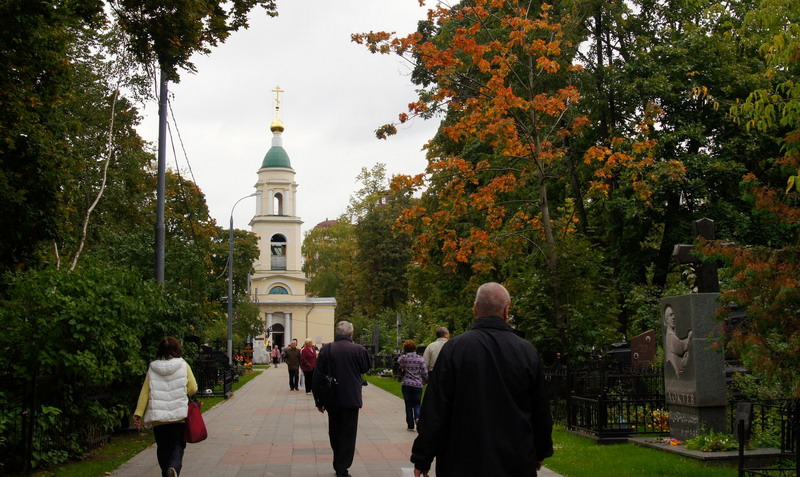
{"type": "Point", "coordinates": [345, 361]}
{"type": "Point", "coordinates": [292, 359]}
{"type": "Point", "coordinates": [486, 411]}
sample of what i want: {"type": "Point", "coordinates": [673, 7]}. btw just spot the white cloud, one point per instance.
{"type": "Point", "coordinates": [336, 95]}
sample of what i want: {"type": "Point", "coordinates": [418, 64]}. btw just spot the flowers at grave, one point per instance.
{"type": "Point", "coordinates": [671, 441]}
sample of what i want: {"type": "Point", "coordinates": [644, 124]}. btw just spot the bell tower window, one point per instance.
{"type": "Point", "coordinates": [278, 252]}
{"type": "Point", "coordinates": [277, 205]}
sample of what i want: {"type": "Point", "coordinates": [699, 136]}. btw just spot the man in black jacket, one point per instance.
{"type": "Point", "coordinates": [486, 410]}
{"type": "Point", "coordinates": [344, 361]}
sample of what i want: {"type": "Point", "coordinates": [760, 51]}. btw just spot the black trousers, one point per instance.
{"type": "Point", "coordinates": [309, 376]}
{"type": "Point", "coordinates": [169, 446]}
{"type": "Point", "coordinates": [294, 378]}
{"type": "Point", "coordinates": [342, 430]}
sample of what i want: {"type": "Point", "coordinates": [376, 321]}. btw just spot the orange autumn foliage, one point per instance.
{"type": "Point", "coordinates": [503, 72]}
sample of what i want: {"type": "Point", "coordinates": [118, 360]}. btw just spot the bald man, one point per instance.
{"type": "Point", "coordinates": [486, 410]}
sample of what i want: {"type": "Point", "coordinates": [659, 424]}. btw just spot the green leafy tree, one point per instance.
{"type": "Point", "coordinates": [329, 255]}
{"type": "Point", "coordinates": [171, 32]}
{"type": "Point", "coordinates": [96, 325]}
{"type": "Point", "coordinates": [765, 277]}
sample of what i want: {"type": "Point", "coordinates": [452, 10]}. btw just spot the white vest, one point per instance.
{"type": "Point", "coordinates": [168, 401]}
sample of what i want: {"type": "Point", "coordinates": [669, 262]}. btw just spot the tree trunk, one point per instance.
{"type": "Point", "coordinates": [583, 217]}
{"type": "Point", "coordinates": [668, 241]}
{"type": "Point", "coordinates": [552, 254]}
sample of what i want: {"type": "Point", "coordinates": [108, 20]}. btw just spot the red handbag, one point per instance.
{"type": "Point", "coordinates": [195, 428]}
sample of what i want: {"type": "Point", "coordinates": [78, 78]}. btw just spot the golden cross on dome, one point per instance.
{"type": "Point", "coordinates": [277, 92]}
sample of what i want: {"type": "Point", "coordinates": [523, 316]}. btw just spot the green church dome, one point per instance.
{"type": "Point", "coordinates": [276, 157]}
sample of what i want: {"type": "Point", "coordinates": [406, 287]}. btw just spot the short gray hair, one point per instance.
{"type": "Point", "coordinates": [441, 332]}
{"type": "Point", "coordinates": [492, 298]}
{"type": "Point", "coordinates": [344, 328]}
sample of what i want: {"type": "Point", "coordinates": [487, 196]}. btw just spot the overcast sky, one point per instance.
{"type": "Point", "coordinates": [336, 95]}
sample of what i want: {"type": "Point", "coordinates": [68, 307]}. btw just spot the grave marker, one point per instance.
{"type": "Point", "coordinates": [643, 349]}
{"type": "Point", "coordinates": [694, 374]}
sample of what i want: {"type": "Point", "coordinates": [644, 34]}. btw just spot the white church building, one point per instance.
{"type": "Point", "coordinates": [278, 285]}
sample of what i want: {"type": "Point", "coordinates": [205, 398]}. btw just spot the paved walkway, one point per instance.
{"type": "Point", "coordinates": [267, 430]}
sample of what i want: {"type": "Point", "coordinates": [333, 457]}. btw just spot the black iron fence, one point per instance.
{"type": "Point", "coordinates": [39, 422]}
{"type": "Point", "coordinates": [772, 424]}
{"type": "Point", "coordinates": [214, 375]}
{"type": "Point", "coordinates": [618, 416]}
{"type": "Point", "coordinates": [608, 399]}
{"type": "Point", "coordinates": [381, 362]}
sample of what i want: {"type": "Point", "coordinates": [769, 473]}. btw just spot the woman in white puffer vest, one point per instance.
{"type": "Point", "coordinates": [163, 402]}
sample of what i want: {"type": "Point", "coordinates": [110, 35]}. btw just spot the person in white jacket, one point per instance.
{"type": "Point", "coordinates": [163, 403]}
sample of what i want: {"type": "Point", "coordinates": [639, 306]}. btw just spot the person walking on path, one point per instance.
{"type": "Point", "coordinates": [276, 355]}
{"type": "Point", "coordinates": [308, 361]}
{"type": "Point", "coordinates": [433, 349]}
{"type": "Point", "coordinates": [345, 362]}
{"type": "Point", "coordinates": [163, 403]}
{"type": "Point", "coordinates": [291, 356]}
{"type": "Point", "coordinates": [486, 411]}
{"type": "Point", "coordinates": [415, 375]}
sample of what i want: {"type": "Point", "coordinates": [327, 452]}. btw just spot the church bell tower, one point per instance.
{"type": "Point", "coordinates": [278, 284]}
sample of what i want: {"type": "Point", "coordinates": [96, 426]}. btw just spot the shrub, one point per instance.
{"type": "Point", "coordinates": [712, 442]}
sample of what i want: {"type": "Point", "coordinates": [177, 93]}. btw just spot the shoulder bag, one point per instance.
{"type": "Point", "coordinates": [329, 383]}
{"type": "Point", "coordinates": [195, 428]}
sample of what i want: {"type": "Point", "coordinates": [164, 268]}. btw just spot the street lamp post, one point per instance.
{"type": "Point", "coordinates": [230, 280]}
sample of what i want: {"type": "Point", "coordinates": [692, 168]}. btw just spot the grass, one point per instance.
{"type": "Point", "coordinates": [123, 447]}
{"type": "Point", "coordinates": [387, 384]}
{"type": "Point", "coordinates": [119, 450]}
{"type": "Point", "coordinates": [577, 456]}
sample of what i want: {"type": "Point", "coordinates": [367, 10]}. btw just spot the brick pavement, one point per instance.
{"type": "Point", "coordinates": [267, 430]}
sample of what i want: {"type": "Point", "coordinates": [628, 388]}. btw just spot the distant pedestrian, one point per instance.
{"type": "Point", "coordinates": [344, 361]}
{"type": "Point", "coordinates": [308, 361]}
{"type": "Point", "coordinates": [163, 403]}
{"type": "Point", "coordinates": [433, 349]}
{"type": "Point", "coordinates": [276, 355]}
{"type": "Point", "coordinates": [415, 375]}
{"type": "Point", "coordinates": [291, 356]}
{"type": "Point", "coordinates": [486, 410]}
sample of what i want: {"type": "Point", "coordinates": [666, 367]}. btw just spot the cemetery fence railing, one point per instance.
{"type": "Point", "coordinates": [781, 419]}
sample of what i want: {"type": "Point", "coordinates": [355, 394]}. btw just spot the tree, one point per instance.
{"type": "Point", "coordinates": [362, 259]}
{"type": "Point", "coordinates": [383, 252]}
{"type": "Point", "coordinates": [171, 32]}
{"type": "Point", "coordinates": [329, 261]}
{"type": "Point", "coordinates": [504, 71]}
{"type": "Point", "coordinates": [35, 82]}
{"type": "Point", "coordinates": [97, 324]}
{"type": "Point", "coordinates": [765, 278]}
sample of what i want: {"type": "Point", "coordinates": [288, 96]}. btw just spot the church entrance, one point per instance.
{"type": "Point", "coordinates": [277, 336]}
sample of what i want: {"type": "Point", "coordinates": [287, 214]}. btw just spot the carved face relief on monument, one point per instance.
{"type": "Point", "coordinates": [676, 350]}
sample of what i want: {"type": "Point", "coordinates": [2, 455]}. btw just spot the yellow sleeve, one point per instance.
{"type": "Point", "coordinates": [191, 383]}
{"type": "Point", "coordinates": [144, 397]}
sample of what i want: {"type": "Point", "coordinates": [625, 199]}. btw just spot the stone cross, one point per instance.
{"type": "Point", "coordinates": [707, 280]}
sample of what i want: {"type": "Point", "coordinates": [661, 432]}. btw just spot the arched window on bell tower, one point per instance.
{"type": "Point", "coordinates": [278, 252]}
{"type": "Point", "coordinates": [277, 205]}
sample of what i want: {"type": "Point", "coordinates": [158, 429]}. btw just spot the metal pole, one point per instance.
{"type": "Point", "coordinates": [230, 290]}
{"type": "Point", "coordinates": [230, 279]}
{"type": "Point", "coordinates": [162, 155]}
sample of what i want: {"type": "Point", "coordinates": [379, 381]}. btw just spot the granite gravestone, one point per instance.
{"type": "Point", "coordinates": [643, 349]}
{"type": "Point", "coordinates": [694, 373]}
